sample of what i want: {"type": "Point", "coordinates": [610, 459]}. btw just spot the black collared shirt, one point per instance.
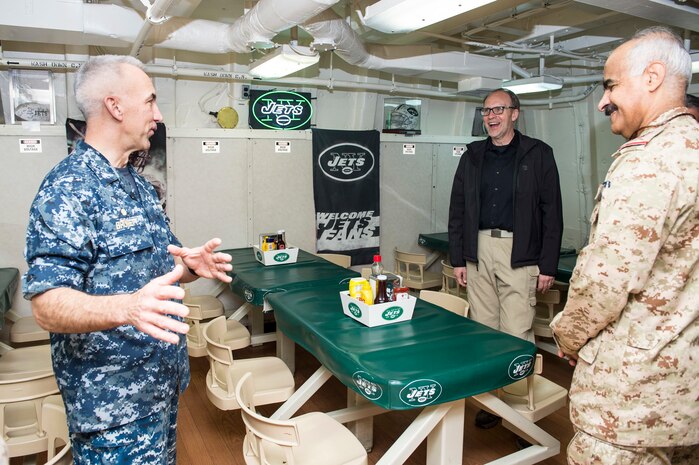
{"type": "Point", "coordinates": [497, 186]}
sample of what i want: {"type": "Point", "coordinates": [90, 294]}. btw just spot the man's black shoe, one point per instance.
{"type": "Point", "coordinates": [486, 420]}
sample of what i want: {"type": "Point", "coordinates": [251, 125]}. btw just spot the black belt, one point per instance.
{"type": "Point", "coordinates": [497, 232]}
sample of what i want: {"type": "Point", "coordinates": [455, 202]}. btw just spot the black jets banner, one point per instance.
{"type": "Point", "coordinates": [346, 193]}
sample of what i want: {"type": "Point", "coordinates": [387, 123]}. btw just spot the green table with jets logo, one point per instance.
{"type": "Point", "coordinates": [9, 279]}
{"type": "Point", "coordinates": [434, 360]}
{"type": "Point", "coordinates": [253, 281]}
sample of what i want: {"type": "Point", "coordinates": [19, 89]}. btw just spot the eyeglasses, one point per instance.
{"type": "Point", "coordinates": [496, 110]}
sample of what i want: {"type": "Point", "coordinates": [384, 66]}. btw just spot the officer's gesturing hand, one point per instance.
{"type": "Point", "coordinates": [153, 303]}
{"type": "Point", "coordinates": [204, 261]}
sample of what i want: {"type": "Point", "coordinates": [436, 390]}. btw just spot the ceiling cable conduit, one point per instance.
{"type": "Point", "coordinates": [514, 48]}
{"type": "Point", "coordinates": [519, 12]}
{"type": "Point", "coordinates": [558, 100]}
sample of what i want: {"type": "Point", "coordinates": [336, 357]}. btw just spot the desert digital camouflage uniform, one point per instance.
{"type": "Point", "coordinates": [86, 233]}
{"type": "Point", "coordinates": [633, 300]}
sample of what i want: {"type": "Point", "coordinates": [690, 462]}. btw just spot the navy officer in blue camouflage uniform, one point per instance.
{"type": "Point", "coordinates": [103, 277]}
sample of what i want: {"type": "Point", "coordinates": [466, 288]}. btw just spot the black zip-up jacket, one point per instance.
{"type": "Point", "coordinates": [537, 216]}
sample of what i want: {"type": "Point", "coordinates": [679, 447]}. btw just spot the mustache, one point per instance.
{"type": "Point", "coordinates": [610, 108]}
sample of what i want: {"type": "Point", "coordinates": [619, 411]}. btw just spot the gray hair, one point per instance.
{"type": "Point", "coordinates": [659, 43]}
{"type": "Point", "coordinates": [514, 100]}
{"type": "Point", "coordinates": [93, 78]}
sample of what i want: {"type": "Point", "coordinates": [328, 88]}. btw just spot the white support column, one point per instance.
{"type": "Point", "coordinates": [286, 350]}
{"type": "Point", "coordinates": [445, 442]}
{"type": "Point", "coordinates": [362, 429]}
{"type": "Point", "coordinates": [414, 434]}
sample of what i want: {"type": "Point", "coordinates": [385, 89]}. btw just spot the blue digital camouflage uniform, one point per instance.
{"type": "Point", "coordinates": [86, 233]}
{"type": "Point", "coordinates": [632, 312]}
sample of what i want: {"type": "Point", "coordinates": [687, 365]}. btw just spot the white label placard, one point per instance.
{"type": "Point", "coordinates": [210, 146]}
{"type": "Point", "coordinates": [408, 149]}
{"type": "Point", "coordinates": [282, 146]}
{"type": "Point", "coordinates": [30, 146]}
{"type": "Point", "coordinates": [458, 150]}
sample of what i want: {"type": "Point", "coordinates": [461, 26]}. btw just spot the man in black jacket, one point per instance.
{"type": "Point", "coordinates": [505, 220]}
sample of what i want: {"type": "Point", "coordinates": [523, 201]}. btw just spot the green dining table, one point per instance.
{"type": "Point", "coordinates": [254, 281]}
{"type": "Point", "coordinates": [433, 361]}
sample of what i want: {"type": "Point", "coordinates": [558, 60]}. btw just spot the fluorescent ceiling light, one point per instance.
{"type": "Point", "coordinates": [393, 16]}
{"type": "Point", "coordinates": [283, 61]}
{"type": "Point", "coordinates": [534, 84]}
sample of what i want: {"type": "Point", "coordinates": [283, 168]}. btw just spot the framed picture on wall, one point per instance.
{"type": "Point", "coordinates": [31, 96]}
{"type": "Point", "coordinates": [402, 116]}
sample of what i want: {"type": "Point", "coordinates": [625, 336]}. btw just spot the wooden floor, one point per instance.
{"type": "Point", "coordinates": [207, 435]}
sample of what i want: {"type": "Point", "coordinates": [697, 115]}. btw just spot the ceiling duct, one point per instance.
{"type": "Point", "coordinates": [111, 25]}
{"type": "Point", "coordinates": [117, 26]}
{"type": "Point", "coordinates": [330, 31]}
{"type": "Point", "coordinates": [672, 13]}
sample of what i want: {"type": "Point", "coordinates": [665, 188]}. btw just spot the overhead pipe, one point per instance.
{"type": "Point", "coordinates": [556, 100]}
{"type": "Point", "coordinates": [521, 72]}
{"type": "Point", "coordinates": [229, 76]}
{"type": "Point", "coordinates": [155, 14]}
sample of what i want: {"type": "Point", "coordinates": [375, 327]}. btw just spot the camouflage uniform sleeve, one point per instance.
{"type": "Point", "coordinates": [632, 222]}
{"type": "Point", "coordinates": [59, 248]}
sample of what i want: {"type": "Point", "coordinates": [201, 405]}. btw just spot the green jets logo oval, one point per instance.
{"type": "Point", "coordinates": [366, 386]}
{"type": "Point", "coordinates": [392, 313]}
{"type": "Point", "coordinates": [420, 392]}
{"type": "Point", "coordinates": [258, 254]}
{"type": "Point", "coordinates": [521, 366]}
{"type": "Point", "coordinates": [249, 295]}
{"type": "Point", "coordinates": [281, 257]}
{"type": "Point", "coordinates": [355, 310]}
{"type": "Point", "coordinates": [278, 109]}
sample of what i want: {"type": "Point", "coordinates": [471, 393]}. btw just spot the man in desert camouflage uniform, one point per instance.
{"type": "Point", "coordinates": [103, 278]}
{"type": "Point", "coordinates": [630, 321]}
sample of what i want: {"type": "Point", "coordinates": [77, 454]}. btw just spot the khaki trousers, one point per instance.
{"type": "Point", "coordinates": [588, 450]}
{"type": "Point", "coordinates": [501, 297]}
